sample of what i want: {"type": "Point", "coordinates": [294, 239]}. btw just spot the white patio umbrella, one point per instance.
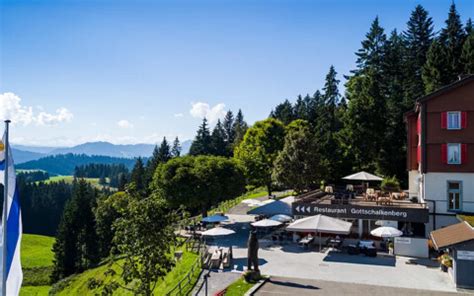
{"type": "Point", "coordinates": [266, 223]}
{"type": "Point", "coordinates": [218, 231]}
{"type": "Point", "coordinates": [363, 176]}
{"type": "Point", "coordinates": [386, 232]}
{"type": "Point", "coordinates": [320, 223]}
{"type": "Point", "coordinates": [281, 218]}
{"type": "Point", "coordinates": [215, 219]}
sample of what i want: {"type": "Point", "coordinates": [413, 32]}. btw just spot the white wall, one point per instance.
{"type": "Point", "coordinates": [413, 183]}
{"type": "Point", "coordinates": [411, 247]}
{"type": "Point", "coordinates": [435, 187]}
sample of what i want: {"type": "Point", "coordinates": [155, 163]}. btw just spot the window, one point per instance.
{"type": "Point", "coordinates": [454, 153]}
{"type": "Point", "coordinates": [454, 120]}
{"type": "Point", "coordinates": [454, 195]}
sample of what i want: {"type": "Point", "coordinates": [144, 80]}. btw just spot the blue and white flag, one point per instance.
{"type": "Point", "coordinates": [14, 226]}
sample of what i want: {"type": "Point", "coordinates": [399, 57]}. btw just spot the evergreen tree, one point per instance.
{"type": "Point", "coordinates": [364, 121]}
{"type": "Point", "coordinates": [202, 142]}
{"type": "Point", "coordinates": [240, 128]}
{"type": "Point", "coordinates": [467, 56]}
{"type": "Point", "coordinates": [176, 149]}
{"type": "Point", "coordinates": [138, 178]}
{"type": "Point", "coordinates": [315, 108]}
{"type": "Point", "coordinates": [229, 132]}
{"type": "Point", "coordinates": [76, 247]}
{"type": "Point", "coordinates": [218, 140]}
{"type": "Point", "coordinates": [418, 38]}
{"type": "Point", "coordinates": [452, 38]}
{"type": "Point", "coordinates": [468, 27]}
{"type": "Point", "coordinates": [160, 155]}
{"type": "Point", "coordinates": [328, 125]}
{"type": "Point", "coordinates": [392, 154]}
{"type": "Point", "coordinates": [283, 112]}
{"type": "Point", "coordinates": [301, 107]}
{"type": "Point", "coordinates": [370, 55]}
{"type": "Point", "coordinates": [434, 73]}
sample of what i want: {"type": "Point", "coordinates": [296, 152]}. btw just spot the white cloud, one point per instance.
{"type": "Point", "coordinates": [11, 108]}
{"type": "Point", "coordinates": [201, 110]}
{"type": "Point", "coordinates": [124, 124]}
{"type": "Point", "coordinates": [62, 115]}
{"type": "Point", "coordinates": [177, 115]}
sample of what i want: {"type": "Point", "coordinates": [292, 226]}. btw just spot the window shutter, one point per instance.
{"type": "Point", "coordinates": [463, 119]}
{"type": "Point", "coordinates": [444, 153]}
{"type": "Point", "coordinates": [463, 153]}
{"type": "Point", "coordinates": [418, 154]}
{"type": "Point", "coordinates": [444, 120]}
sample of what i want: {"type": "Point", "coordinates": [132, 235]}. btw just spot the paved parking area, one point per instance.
{"type": "Point", "coordinates": [301, 287]}
{"type": "Point", "coordinates": [291, 261]}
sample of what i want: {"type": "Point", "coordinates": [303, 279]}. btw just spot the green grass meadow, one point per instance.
{"type": "Point", "coordinates": [37, 264]}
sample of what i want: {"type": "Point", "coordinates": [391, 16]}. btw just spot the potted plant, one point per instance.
{"type": "Point", "coordinates": [445, 262]}
{"type": "Point", "coordinates": [390, 184]}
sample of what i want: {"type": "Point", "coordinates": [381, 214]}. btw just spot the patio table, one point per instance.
{"type": "Point", "coordinates": [306, 241]}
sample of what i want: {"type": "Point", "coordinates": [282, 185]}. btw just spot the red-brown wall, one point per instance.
{"type": "Point", "coordinates": [457, 99]}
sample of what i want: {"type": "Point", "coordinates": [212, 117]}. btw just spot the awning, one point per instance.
{"type": "Point", "coordinates": [282, 206]}
{"type": "Point", "coordinates": [363, 176]}
{"type": "Point", "coordinates": [452, 235]}
{"type": "Point", "coordinates": [320, 223]}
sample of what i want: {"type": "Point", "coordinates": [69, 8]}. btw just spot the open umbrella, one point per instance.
{"type": "Point", "coordinates": [363, 176]}
{"type": "Point", "coordinates": [215, 219]}
{"type": "Point", "coordinates": [320, 223]}
{"type": "Point", "coordinates": [218, 231]}
{"type": "Point", "coordinates": [386, 231]}
{"type": "Point", "coordinates": [281, 218]}
{"type": "Point", "coordinates": [266, 223]}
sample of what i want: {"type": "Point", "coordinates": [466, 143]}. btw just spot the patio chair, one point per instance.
{"type": "Point", "coordinates": [328, 189]}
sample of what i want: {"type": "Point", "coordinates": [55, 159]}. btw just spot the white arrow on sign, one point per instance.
{"type": "Point", "coordinates": [297, 209]}
{"type": "Point", "coordinates": [308, 209]}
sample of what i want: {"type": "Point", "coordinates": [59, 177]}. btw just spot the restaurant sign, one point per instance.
{"type": "Point", "coordinates": [362, 212]}
{"type": "Point", "coordinates": [465, 255]}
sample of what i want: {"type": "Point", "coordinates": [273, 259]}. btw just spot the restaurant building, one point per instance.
{"type": "Point", "coordinates": [364, 214]}
{"type": "Point", "coordinates": [440, 152]}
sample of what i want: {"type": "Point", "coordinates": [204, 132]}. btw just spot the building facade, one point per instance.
{"type": "Point", "coordinates": [440, 152]}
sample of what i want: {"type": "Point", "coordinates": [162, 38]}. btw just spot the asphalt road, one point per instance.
{"type": "Point", "coordinates": [303, 287]}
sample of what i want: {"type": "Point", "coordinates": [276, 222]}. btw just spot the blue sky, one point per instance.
{"type": "Point", "coordinates": [135, 71]}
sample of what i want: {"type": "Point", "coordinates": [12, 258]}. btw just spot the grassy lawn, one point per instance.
{"type": "Point", "coordinates": [81, 284]}
{"type": "Point", "coordinates": [35, 291]}
{"type": "Point", "coordinates": [37, 261]}
{"type": "Point", "coordinates": [36, 251]}
{"type": "Point", "coordinates": [70, 179]}
{"type": "Point", "coordinates": [238, 288]}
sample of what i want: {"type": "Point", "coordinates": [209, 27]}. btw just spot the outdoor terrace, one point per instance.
{"type": "Point", "coordinates": [378, 199]}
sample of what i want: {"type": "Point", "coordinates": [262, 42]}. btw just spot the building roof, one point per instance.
{"type": "Point", "coordinates": [452, 235]}
{"type": "Point", "coordinates": [463, 81]}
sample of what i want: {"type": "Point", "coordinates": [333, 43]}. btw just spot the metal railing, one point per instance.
{"type": "Point", "coordinates": [187, 283]}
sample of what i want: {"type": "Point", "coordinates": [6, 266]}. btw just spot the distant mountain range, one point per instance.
{"type": "Point", "coordinates": [24, 153]}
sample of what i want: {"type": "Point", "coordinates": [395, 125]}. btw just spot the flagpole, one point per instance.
{"type": "Point", "coordinates": [5, 213]}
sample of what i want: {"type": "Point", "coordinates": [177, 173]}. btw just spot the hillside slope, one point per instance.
{"type": "Point", "coordinates": [65, 164]}
{"type": "Point", "coordinates": [37, 261]}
